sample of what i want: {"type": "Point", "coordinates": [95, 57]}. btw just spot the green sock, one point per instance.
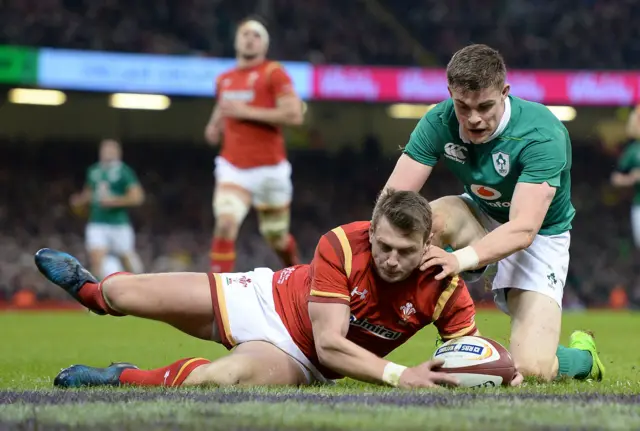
{"type": "Point", "coordinates": [574, 363]}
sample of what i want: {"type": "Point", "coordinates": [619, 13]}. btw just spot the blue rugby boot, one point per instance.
{"type": "Point", "coordinates": [67, 272]}
{"type": "Point", "coordinates": [78, 376]}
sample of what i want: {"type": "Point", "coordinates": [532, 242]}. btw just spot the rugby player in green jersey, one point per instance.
{"type": "Point", "coordinates": [514, 159]}
{"type": "Point", "coordinates": [627, 172]}
{"type": "Point", "coordinates": [111, 189]}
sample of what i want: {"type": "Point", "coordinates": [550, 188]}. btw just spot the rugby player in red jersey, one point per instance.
{"type": "Point", "coordinates": [255, 99]}
{"type": "Point", "coordinates": [361, 297]}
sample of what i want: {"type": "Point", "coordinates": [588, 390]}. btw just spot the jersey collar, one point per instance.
{"type": "Point", "coordinates": [506, 116]}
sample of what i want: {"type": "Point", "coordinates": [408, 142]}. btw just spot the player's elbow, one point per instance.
{"type": "Point", "coordinates": [326, 346]}
{"type": "Point", "coordinates": [137, 197]}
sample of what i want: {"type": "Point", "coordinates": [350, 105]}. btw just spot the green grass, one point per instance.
{"type": "Point", "coordinates": [37, 345]}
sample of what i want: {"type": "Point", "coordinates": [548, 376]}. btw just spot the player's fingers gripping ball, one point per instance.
{"type": "Point", "coordinates": [477, 362]}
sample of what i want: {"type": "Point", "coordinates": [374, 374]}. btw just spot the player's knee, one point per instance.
{"type": "Point", "coordinates": [275, 228]}
{"type": "Point", "coordinates": [118, 289]}
{"type": "Point", "coordinates": [226, 227]}
{"type": "Point", "coordinates": [540, 368]}
{"type": "Point", "coordinates": [229, 210]}
{"type": "Point", "coordinates": [441, 210]}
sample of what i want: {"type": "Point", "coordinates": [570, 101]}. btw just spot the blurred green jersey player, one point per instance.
{"type": "Point", "coordinates": [111, 189]}
{"type": "Point", "coordinates": [513, 158]}
{"type": "Point", "coordinates": [627, 173]}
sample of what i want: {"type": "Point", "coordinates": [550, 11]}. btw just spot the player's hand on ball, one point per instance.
{"type": "Point", "coordinates": [422, 376]}
{"type": "Point", "coordinates": [435, 256]}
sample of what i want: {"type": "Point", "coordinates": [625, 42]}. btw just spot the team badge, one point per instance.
{"type": "Point", "coordinates": [501, 163]}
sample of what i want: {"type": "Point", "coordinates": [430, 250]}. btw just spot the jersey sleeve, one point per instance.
{"type": "Point", "coordinates": [329, 281]}
{"type": "Point", "coordinates": [627, 161]}
{"type": "Point", "coordinates": [544, 161]}
{"type": "Point", "coordinates": [422, 146]}
{"type": "Point", "coordinates": [280, 81]}
{"type": "Point", "coordinates": [454, 313]}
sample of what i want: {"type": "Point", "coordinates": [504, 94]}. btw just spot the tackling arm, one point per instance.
{"type": "Point", "coordinates": [529, 207]}
{"type": "Point", "coordinates": [408, 174]}
{"type": "Point", "coordinates": [330, 323]}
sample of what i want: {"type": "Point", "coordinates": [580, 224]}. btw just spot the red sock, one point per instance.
{"type": "Point", "coordinates": [91, 296]}
{"type": "Point", "coordinates": [223, 255]}
{"type": "Point", "coordinates": [289, 255]}
{"type": "Point", "coordinates": [172, 375]}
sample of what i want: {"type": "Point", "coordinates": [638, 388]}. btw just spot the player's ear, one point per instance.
{"type": "Point", "coordinates": [505, 91]}
{"type": "Point", "coordinates": [371, 233]}
{"type": "Point", "coordinates": [449, 90]}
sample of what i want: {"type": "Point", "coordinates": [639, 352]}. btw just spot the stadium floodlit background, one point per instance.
{"type": "Point", "coordinates": [367, 71]}
{"type": "Point", "coordinates": [143, 72]}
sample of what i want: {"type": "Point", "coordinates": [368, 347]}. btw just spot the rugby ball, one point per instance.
{"type": "Point", "coordinates": [476, 362]}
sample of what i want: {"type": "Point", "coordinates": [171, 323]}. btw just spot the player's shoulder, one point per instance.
{"type": "Point", "coordinates": [433, 291]}
{"type": "Point", "coordinates": [441, 115]}
{"type": "Point", "coordinates": [352, 236]}
{"type": "Point", "coordinates": [533, 121]}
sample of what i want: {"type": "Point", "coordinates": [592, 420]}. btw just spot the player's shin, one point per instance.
{"type": "Point", "coordinates": [574, 363]}
{"type": "Point", "coordinates": [93, 297]}
{"type": "Point", "coordinates": [171, 375]}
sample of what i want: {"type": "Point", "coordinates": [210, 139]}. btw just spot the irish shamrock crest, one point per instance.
{"type": "Point", "coordinates": [501, 163]}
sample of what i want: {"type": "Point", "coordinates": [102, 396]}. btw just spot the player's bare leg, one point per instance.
{"type": "Point", "coordinates": [96, 261]}
{"type": "Point", "coordinates": [182, 300]}
{"type": "Point", "coordinates": [535, 334]}
{"type": "Point", "coordinates": [536, 320]}
{"type": "Point", "coordinates": [231, 204]}
{"type": "Point", "coordinates": [252, 363]}
{"type": "Point", "coordinates": [454, 223]}
{"type": "Point", "coordinates": [274, 226]}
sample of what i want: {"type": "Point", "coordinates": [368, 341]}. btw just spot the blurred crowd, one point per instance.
{"type": "Point", "coordinates": [175, 223]}
{"type": "Point", "coordinates": [595, 34]}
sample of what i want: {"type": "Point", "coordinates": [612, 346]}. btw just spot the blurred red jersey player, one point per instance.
{"type": "Point", "coordinates": [254, 100]}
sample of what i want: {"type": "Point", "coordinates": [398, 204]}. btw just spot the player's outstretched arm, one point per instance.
{"type": "Point", "coordinates": [529, 206]}
{"type": "Point", "coordinates": [330, 322]}
{"type": "Point", "coordinates": [408, 174]}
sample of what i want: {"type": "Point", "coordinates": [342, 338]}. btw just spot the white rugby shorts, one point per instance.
{"type": "Point", "coordinates": [116, 239]}
{"type": "Point", "coordinates": [542, 267]}
{"type": "Point", "coordinates": [270, 186]}
{"type": "Point", "coordinates": [245, 311]}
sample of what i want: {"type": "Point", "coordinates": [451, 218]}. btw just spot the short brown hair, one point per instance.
{"type": "Point", "coordinates": [406, 210]}
{"type": "Point", "coordinates": [476, 67]}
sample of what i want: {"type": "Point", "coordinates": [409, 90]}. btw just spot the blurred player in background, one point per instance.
{"type": "Point", "coordinates": [254, 100]}
{"type": "Point", "coordinates": [361, 297]}
{"type": "Point", "coordinates": [627, 173]}
{"type": "Point", "coordinates": [514, 159]}
{"type": "Point", "coordinates": [111, 188]}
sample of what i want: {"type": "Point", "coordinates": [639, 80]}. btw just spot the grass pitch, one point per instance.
{"type": "Point", "coordinates": [37, 345]}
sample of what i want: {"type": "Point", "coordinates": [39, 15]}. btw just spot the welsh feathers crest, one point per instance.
{"type": "Point", "coordinates": [501, 163]}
